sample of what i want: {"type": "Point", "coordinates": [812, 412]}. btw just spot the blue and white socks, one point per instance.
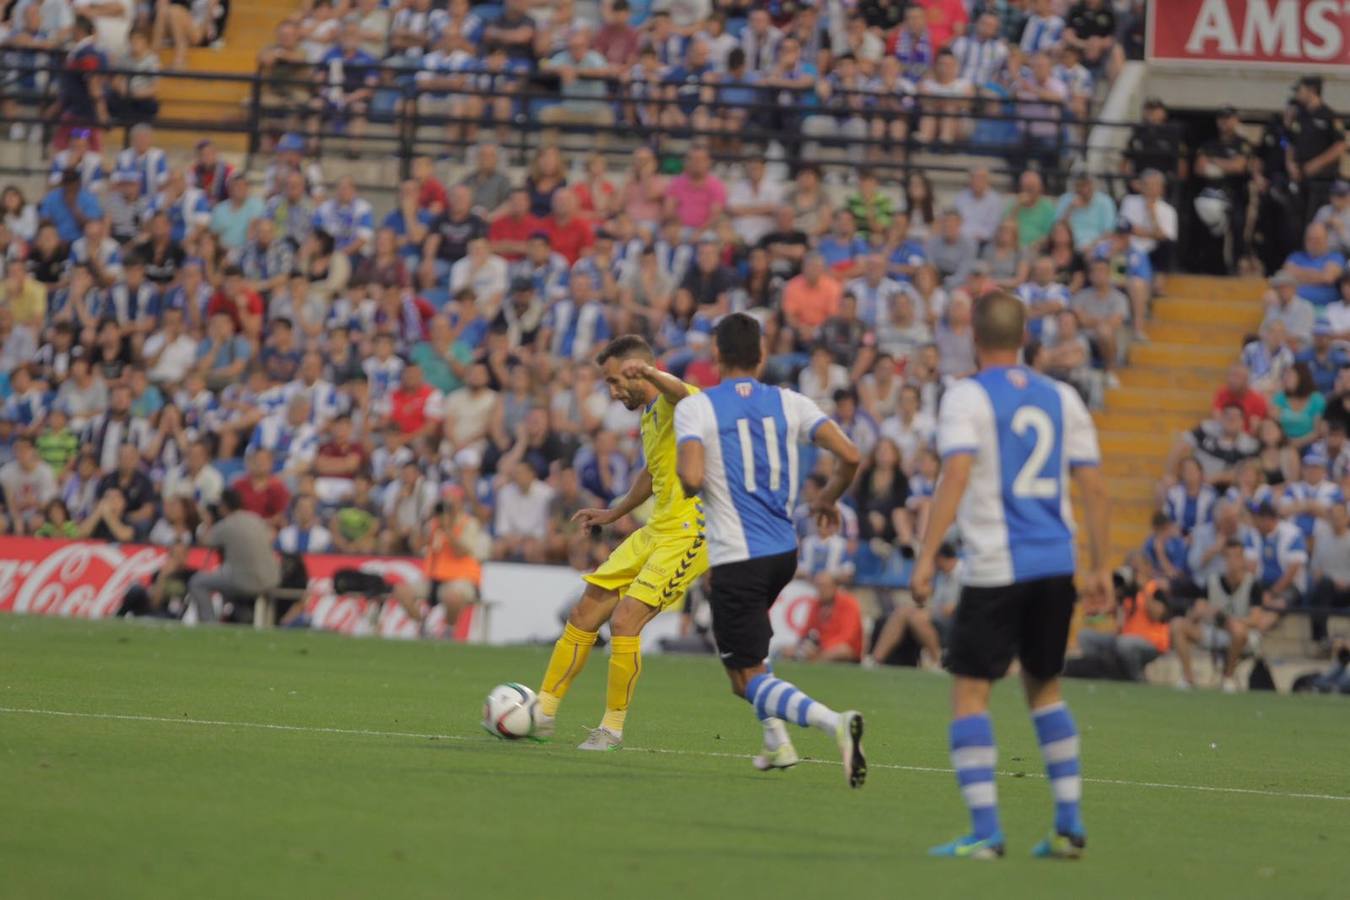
{"type": "Point", "coordinates": [774, 698]}
{"type": "Point", "coordinates": [974, 757]}
{"type": "Point", "coordinates": [1058, 737]}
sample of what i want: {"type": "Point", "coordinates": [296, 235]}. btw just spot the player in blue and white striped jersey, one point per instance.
{"type": "Point", "coordinates": [1011, 439]}
{"type": "Point", "coordinates": [739, 450]}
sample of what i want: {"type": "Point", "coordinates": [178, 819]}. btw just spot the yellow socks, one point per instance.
{"type": "Point", "coordinates": [566, 663]}
{"type": "Point", "coordinates": [625, 665]}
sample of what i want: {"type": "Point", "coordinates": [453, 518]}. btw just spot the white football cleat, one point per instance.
{"type": "Point", "coordinates": [602, 739]}
{"type": "Point", "coordinates": [785, 757]}
{"type": "Point", "coordinates": [543, 727]}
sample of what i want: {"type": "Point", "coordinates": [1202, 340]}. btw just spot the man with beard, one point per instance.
{"type": "Point", "coordinates": [648, 572]}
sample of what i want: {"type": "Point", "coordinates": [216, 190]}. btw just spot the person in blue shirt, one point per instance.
{"type": "Point", "coordinates": [1323, 359]}
{"type": "Point", "coordinates": [842, 247]}
{"type": "Point", "coordinates": [352, 74]}
{"type": "Point", "coordinates": [1165, 550]}
{"type": "Point", "coordinates": [1316, 267]}
{"type": "Point", "coordinates": [738, 447]}
{"type": "Point", "coordinates": [69, 206]}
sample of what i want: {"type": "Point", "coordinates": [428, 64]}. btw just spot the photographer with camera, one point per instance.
{"type": "Point", "coordinates": [1141, 634]}
{"type": "Point", "coordinates": [248, 567]}
{"type": "Point", "coordinates": [1225, 620]}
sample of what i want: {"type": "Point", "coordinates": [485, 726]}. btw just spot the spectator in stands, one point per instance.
{"type": "Point", "coordinates": [1044, 298]}
{"type": "Point", "coordinates": [1316, 268]}
{"type": "Point", "coordinates": [1283, 304]}
{"type": "Point", "coordinates": [981, 51]}
{"type": "Point", "coordinates": [1330, 565]}
{"type": "Point", "coordinates": [980, 206]}
{"type": "Point", "coordinates": [1090, 27]}
{"type": "Point", "coordinates": [696, 198]}
{"type": "Point", "coordinates": [261, 492]}
{"type": "Point", "coordinates": [1335, 217]}
{"type": "Point", "coordinates": [1208, 540]}
{"type": "Point", "coordinates": [810, 298]}
{"type": "Point", "coordinates": [29, 485]}
{"type": "Point", "coordinates": [1298, 406]}
{"type": "Point", "coordinates": [833, 630]}
{"type": "Point", "coordinates": [1033, 212]}
{"type": "Point", "coordinates": [133, 486]}
{"type": "Point", "coordinates": [1281, 574]}
{"type": "Point", "coordinates": [286, 73]}
{"type": "Point", "coordinates": [1091, 213]}
{"type": "Point", "coordinates": [1102, 309]}
{"type": "Point", "coordinates": [1227, 620]}
{"type": "Point", "coordinates": [1219, 444]}
{"type": "Point", "coordinates": [582, 71]}
{"type": "Point", "coordinates": [347, 94]}
{"type": "Point", "coordinates": [1152, 220]}
{"type": "Point", "coordinates": [950, 250]}
{"type": "Point", "coordinates": [107, 520]}
{"type": "Point", "coordinates": [1223, 170]}
{"type": "Point", "coordinates": [522, 513]}
{"type": "Point", "coordinates": [931, 623]}
{"type": "Point", "coordinates": [1324, 359]}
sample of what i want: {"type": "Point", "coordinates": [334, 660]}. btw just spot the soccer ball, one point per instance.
{"type": "Point", "coordinates": [508, 711]}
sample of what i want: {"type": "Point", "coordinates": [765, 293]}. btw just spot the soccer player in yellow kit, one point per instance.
{"type": "Point", "coordinates": [648, 572]}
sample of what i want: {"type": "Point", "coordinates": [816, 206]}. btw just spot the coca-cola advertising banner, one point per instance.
{"type": "Point", "coordinates": [88, 580]}
{"type": "Point", "coordinates": [1303, 34]}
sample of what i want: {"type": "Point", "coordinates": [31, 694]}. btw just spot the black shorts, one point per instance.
{"type": "Point", "coordinates": [1029, 620]}
{"type": "Point", "coordinates": [741, 594]}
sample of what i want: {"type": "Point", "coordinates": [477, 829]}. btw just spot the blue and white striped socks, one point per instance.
{"type": "Point", "coordinates": [774, 698]}
{"type": "Point", "coordinates": [1058, 737]}
{"type": "Point", "coordinates": [973, 757]}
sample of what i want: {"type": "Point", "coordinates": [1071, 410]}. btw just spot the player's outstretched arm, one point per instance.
{"type": "Point", "coordinates": [636, 496]}
{"type": "Point", "coordinates": [1097, 511]}
{"type": "Point", "coordinates": [672, 388]}
{"type": "Point", "coordinates": [951, 487]}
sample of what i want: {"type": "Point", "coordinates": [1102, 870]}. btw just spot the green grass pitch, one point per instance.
{"type": "Point", "coordinates": [157, 780]}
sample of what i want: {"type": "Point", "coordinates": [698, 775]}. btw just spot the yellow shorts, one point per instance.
{"type": "Point", "coordinates": [655, 569]}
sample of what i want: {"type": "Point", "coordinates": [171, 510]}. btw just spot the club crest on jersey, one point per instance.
{"type": "Point", "coordinates": [1017, 378]}
{"type": "Point", "coordinates": [744, 388]}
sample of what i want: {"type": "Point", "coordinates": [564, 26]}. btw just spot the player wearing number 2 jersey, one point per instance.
{"type": "Point", "coordinates": [738, 450]}
{"type": "Point", "coordinates": [1010, 440]}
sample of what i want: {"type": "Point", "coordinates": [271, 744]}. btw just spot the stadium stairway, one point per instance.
{"type": "Point", "coordinates": [1196, 333]}
{"type": "Point", "coordinates": [183, 101]}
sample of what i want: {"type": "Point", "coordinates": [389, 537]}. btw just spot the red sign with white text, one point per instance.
{"type": "Point", "coordinates": [1305, 34]}
{"type": "Point", "coordinates": [87, 580]}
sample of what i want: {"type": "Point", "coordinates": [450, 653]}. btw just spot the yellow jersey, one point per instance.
{"type": "Point", "coordinates": [671, 509]}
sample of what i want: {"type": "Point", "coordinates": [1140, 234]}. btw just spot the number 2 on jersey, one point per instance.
{"type": "Point", "coordinates": [770, 445]}
{"type": "Point", "coordinates": [1030, 483]}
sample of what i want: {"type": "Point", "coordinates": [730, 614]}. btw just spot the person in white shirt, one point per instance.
{"type": "Point", "coordinates": [482, 272]}
{"type": "Point", "coordinates": [910, 429]}
{"type": "Point", "coordinates": [1152, 220]}
{"type": "Point", "coordinates": [170, 353]}
{"type": "Point", "coordinates": [981, 207]}
{"type": "Point", "coordinates": [753, 200]}
{"type": "Point", "coordinates": [523, 505]}
{"type": "Point", "coordinates": [304, 534]}
{"type": "Point", "coordinates": [945, 102]}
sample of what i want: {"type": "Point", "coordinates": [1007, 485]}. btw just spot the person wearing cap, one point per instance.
{"type": "Point", "coordinates": [1324, 358]}
{"type": "Point", "coordinates": [1155, 143]}
{"type": "Point", "coordinates": [1283, 304]}
{"type": "Point", "coordinates": [1317, 267]}
{"type": "Point", "coordinates": [1335, 216]}
{"type": "Point", "coordinates": [1282, 567]}
{"type": "Point", "coordinates": [1316, 142]}
{"type": "Point", "coordinates": [1311, 498]}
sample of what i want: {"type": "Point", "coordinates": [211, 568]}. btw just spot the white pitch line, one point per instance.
{"type": "Point", "coordinates": [367, 732]}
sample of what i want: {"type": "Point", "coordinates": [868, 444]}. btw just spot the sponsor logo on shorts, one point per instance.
{"type": "Point", "coordinates": [640, 583]}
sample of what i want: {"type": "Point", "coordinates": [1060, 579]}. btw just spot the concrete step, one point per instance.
{"type": "Point", "coordinates": [1148, 399]}
{"type": "Point", "coordinates": [1163, 425]}
{"type": "Point", "coordinates": [1208, 287]}
{"type": "Point", "coordinates": [1226, 334]}
{"type": "Point", "coordinates": [202, 93]}
{"type": "Point", "coordinates": [1189, 379]}
{"type": "Point", "coordinates": [1193, 308]}
{"type": "Point", "coordinates": [1182, 356]}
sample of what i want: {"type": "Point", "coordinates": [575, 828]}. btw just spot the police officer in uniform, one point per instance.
{"type": "Point", "coordinates": [1316, 142]}
{"type": "Point", "coordinates": [1155, 143]}
{"type": "Point", "coordinates": [1222, 172]}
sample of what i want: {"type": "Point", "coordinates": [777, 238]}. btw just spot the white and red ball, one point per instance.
{"type": "Point", "coordinates": [508, 711]}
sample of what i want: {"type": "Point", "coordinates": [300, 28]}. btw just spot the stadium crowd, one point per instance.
{"type": "Point", "coordinates": [167, 331]}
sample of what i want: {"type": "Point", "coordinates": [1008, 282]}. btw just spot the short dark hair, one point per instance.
{"type": "Point", "coordinates": [1160, 520]}
{"type": "Point", "coordinates": [230, 501]}
{"type": "Point", "coordinates": [625, 346]}
{"type": "Point", "coordinates": [738, 342]}
{"type": "Point", "coordinates": [1000, 321]}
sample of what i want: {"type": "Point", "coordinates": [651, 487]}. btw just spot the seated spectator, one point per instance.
{"type": "Point", "coordinates": [1282, 574]}
{"type": "Point", "coordinates": [177, 526]}
{"type": "Point", "coordinates": [1141, 633]}
{"type": "Point", "coordinates": [955, 338]}
{"type": "Point", "coordinates": [930, 624]}
{"type": "Point", "coordinates": [522, 514]}
{"type": "Point", "coordinates": [1090, 212]}
{"type": "Point", "coordinates": [1044, 299]}
{"type": "Point", "coordinates": [107, 521]}
{"type": "Point", "coordinates": [1007, 262]}
{"type": "Point", "coordinates": [261, 492]}
{"type": "Point", "coordinates": [833, 629]}
{"type": "Point", "coordinates": [1324, 359]}
{"type": "Point", "coordinates": [1268, 357]}
{"type": "Point", "coordinates": [1189, 502]}
{"type": "Point", "coordinates": [195, 478]}
{"type": "Point", "coordinates": [1041, 99]}
{"type": "Point", "coordinates": [1102, 310]}
{"type": "Point", "coordinates": [133, 488]}
{"type": "Point", "coordinates": [1330, 567]}
{"type": "Point", "coordinates": [1033, 212]}
{"type": "Point", "coordinates": [1068, 357]}
{"type": "Point", "coordinates": [349, 76]}
{"type": "Point", "coordinates": [29, 485]}
{"type": "Point", "coordinates": [1219, 444]}
{"type": "Point", "coordinates": [24, 296]}
{"type": "Point", "coordinates": [1164, 553]}
{"type": "Point", "coordinates": [455, 546]}
{"type": "Point", "coordinates": [1237, 390]}
{"type": "Point", "coordinates": [1229, 619]}
{"type": "Point", "coordinates": [1309, 500]}
{"type": "Point", "coordinates": [582, 71]}
{"type": "Point", "coordinates": [1208, 539]}
{"type": "Point", "coordinates": [1298, 407]}
{"type": "Point", "coordinates": [810, 298]}
{"type": "Point", "coordinates": [950, 250]}
{"type": "Point", "coordinates": [696, 198]}
{"type": "Point", "coordinates": [193, 26]}
{"type": "Point", "coordinates": [980, 206]}
{"type": "Point", "coordinates": [1335, 217]}
{"type": "Point", "coordinates": [1316, 268]}
{"type": "Point", "coordinates": [1284, 304]}
{"type": "Point", "coordinates": [873, 210]}
{"type": "Point", "coordinates": [1152, 221]}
